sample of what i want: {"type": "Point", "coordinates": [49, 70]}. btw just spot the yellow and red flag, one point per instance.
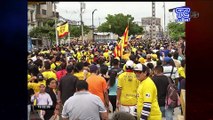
{"type": "Point", "coordinates": [118, 51]}
{"type": "Point", "coordinates": [63, 30]}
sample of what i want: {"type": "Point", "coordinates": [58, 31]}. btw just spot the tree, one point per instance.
{"type": "Point", "coordinates": [75, 31]}
{"type": "Point", "coordinates": [176, 30]}
{"type": "Point", "coordinates": [117, 24]}
{"type": "Point", "coordinates": [48, 30]}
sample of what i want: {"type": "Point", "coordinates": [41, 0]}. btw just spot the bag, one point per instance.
{"type": "Point", "coordinates": [172, 97]}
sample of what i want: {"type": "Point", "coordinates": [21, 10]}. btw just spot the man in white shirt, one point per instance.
{"type": "Point", "coordinates": [84, 105]}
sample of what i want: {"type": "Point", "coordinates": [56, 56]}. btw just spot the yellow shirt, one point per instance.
{"type": "Point", "coordinates": [80, 75]}
{"type": "Point", "coordinates": [128, 83]}
{"type": "Point", "coordinates": [126, 56]}
{"type": "Point", "coordinates": [106, 55]}
{"type": "Point", "coordinates": [28, 77]}
{"type": "Point", "coordinates": [147, 92]}
{"type": "Point", "coordinates": [53, 66]}
{"type": "Point", "coordinates": [181, 72]}
{"type": "Point", "coordinates": [35, 86]}
{"type": "Point", "coordinates": [49, 74]}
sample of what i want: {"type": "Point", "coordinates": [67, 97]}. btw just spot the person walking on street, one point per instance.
{"type": "Point", "coordinates": [147, 103]}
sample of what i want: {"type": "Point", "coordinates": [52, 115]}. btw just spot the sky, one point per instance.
{"type": "Point", "coordinates": [71, 10]}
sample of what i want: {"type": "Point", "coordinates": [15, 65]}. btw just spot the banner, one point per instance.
{"type": "Point", "coordinates": [63, 30]}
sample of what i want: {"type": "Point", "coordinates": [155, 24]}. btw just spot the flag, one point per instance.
{"type": "Point", "coordinates": [118, 51]}
{"type": "Point", "coordinates": [63, 30]}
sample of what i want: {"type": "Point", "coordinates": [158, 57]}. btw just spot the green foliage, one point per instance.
{"type": "Point", "coordinates": [117, 24]}
{"type": "Point", "coordinates": [75, 31]}
{"type": "Point", "coordinates": [176, 30]}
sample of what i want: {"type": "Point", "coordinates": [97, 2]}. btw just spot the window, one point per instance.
{"type": "Point", "coordinates": [31, 15]}
{"type": "Point", "coordinates": [38, 9]}
{"type": "Point", "coordinates": [44, 12]}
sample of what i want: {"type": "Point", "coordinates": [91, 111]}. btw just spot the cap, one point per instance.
{"type": "Point", "coordinates": [167, 59]}
{"type": "Point", "coordinates": [93, 68]}
{"type": "Point", "coordinates": [129, 64]}
{"type": "Point", "coordinates": [154, 56]}
{"type": "Point", "coordinates": [141, 60]}
{"type": "Point", "coordinates": [138, 67]}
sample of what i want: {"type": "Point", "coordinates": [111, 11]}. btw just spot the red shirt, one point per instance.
{"type": "Point", "coordinates": [60, 74]}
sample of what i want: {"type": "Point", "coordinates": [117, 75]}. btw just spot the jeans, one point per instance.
{"type": "Point", "coordinates": [168, 113]}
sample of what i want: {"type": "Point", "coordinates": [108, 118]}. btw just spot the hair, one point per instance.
{"type": "Point", "coordinates": [103, 69]}
{"type": "Point", "coordinates": [39, 63]}
{"type": "Point", "coordinates": [33, 69]}
{"type": "Point", "coordinates": [159, 62]}
{"type": "Point", "coordinates": [146, 69]}
{"type": "Point", "coordinates": [159, 69]}
{"type": "Point", "coordinates": [112, 79]}
{"type": "Point", "coordinates": [48, 81]}
{"type": "Point", "coordinates": [58, 58]}
{"type": "Point", "coordinates": [47, 65]}
{"type": "Point", "coordinates": [169, 55]}
{"type": "Point", "coordinates": [183, 62]}
{"type": "Point", "coordinates": [63, 65]}
{"type": "Point", "coordinates": [79, 66]}
{"type": "Point", "coordinates": [150, 66]}
{"type": "Point", "coordinates": [115, 62]}
{"type": "Point", "coordinates": [132, 57]}
{"type": "Point", "coordinates": [175, 55]}
{"type": "Point", "coordinates": [70, 68]}
{"type": "Point", "coordinates": [81, 85]}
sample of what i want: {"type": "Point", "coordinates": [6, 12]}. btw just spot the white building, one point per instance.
{"type": "Point", "coordinates": [152, 27]}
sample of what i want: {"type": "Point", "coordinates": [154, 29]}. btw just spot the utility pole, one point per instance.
{"type": "Point", "coordinates": [93, 25]}
{"type": "Point", "coordinates": [56, 33]}
{"type": "Point", "coordinates": [82, 6]}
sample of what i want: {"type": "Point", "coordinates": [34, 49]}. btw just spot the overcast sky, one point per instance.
{"type": "Point", "coordinates": [71, 10]}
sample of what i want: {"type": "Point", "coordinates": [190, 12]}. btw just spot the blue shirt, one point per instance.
{"type": "Point", "coordinates": [113, 89]}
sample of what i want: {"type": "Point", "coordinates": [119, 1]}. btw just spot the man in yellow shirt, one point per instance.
{"type": "Point", "coordinates": [147, 104]}
{"type": "Point", "coordinates": [127, 89]}
{"type": "Point", "coordinates": [48, 73]}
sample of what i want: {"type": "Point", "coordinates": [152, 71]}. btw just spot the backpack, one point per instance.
{"type": "Point", "coordinates": [172, 97]}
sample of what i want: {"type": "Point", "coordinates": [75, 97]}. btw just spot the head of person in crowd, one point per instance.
{"type": "Point", "coordinates": [167, 60]}
{"type": "Point", "coordinates": [79, 67]}
{"type": "Point", "coordinates": [42, 88]}
{"type": "Point", "coordinates": [132, 57]}
{"type": "Point", "coordinates": [93, 69]}
{"type": "Point", "coordinates": [33, 70]}
{"type": "Point", "coordinates": [103, 69]}
{"type": "Point", "coordinates": [183, 63]}
{"type": "Point", "coordinates": [150, 66]}
{"type": "Point", "coordinates": [175, 55]}
{"type": "Point", "coordinates": [51, 83]}
{"type": "Point", "coordinates": [63, 65]}
{"type": "Point", "coordinates": [81, 85]}
{"type": "Point", "coordinates": [40, 77]}
{"type": "Point", "coordinates": [129, 65]}
{"type": "Point", "coordinates": [169, 55]}
{"type": "Point", "coordinates": [158, 70]}
{"type": "Point", "coordinates": [122, 116]}
{"type": "Point", "coordinates": [39, 63]}
{"type": "Point", "coordinates": [148, 57]}
{"type": "Point", "coordinates": [141, 71]}
{"type": "Point", "coordinates": [159, 62]}
{"type": "Point", "coordinates": [70, 69]}
{"type": "Point", "coordinates": [116, 62]}
{"type": "Point", "coordinates": [47, 65]}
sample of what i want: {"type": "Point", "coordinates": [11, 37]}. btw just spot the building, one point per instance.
{"type": "Point", "coordinates": [38, 12]}
{"type": "Point", "coordinates": [104, 37]}
{"type": "Point", "coordinates": [152, 28]}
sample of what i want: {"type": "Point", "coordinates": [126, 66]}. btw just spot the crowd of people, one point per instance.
{"type": "Point", "coordinates": [86, 81]}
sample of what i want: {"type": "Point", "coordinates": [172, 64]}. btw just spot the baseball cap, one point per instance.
{"type": "Point", "coordinates": [129, 64]}
{"type": "Point", "coordinates": [138, 67]}
{"type": "Point", "coordinates": [141, 60]}
{"type": "Point", "coordinates": [93, 68]}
